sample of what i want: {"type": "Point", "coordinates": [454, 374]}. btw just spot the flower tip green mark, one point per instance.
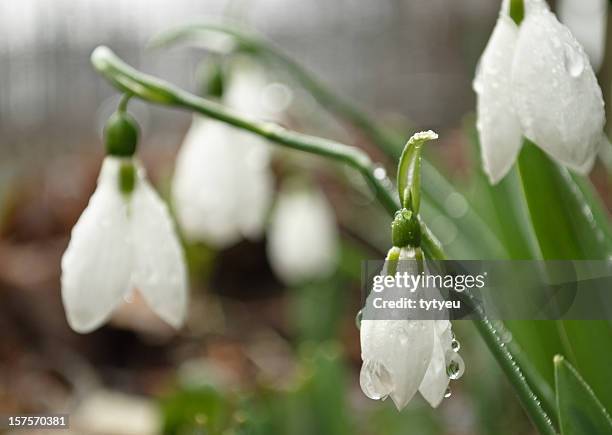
{"type": "Point", "coordinates": [127, 177]}
{"type": "Point", "coordinates": [517, 11]}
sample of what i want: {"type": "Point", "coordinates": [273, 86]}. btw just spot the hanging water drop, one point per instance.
{"type": "Point", "coordinates": [455, 345]}
{"type": "Point", "coordinates": [358, 319]}
{"type": "Point", "coordinates": [573, 61]}
{"type": "Point", "coordinates": [375, 380]}
{"type": "Point", "coordinates": [455, 367]}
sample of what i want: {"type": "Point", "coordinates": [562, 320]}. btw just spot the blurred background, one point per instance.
{"type": "Point", "coordinates": [258, 355]}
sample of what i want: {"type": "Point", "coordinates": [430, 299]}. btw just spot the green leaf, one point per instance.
{"type": "Point", "coordinates": [561, 217]}
{"type": "Point", "coordinates": [540, 340]}
{"type": "Point", "coordinates": [589, 348]}
{"type": "Point", "coordinates": [598, 209]}
{"type": "Point", "coordinates": [565, 228]}
{"type": "Point", "coordinates": [409, 170]}
{"type": "Point", "coordinates": [580, 412]}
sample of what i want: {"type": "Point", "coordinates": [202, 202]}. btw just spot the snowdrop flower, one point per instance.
{"type": "Point", "coordinates": [403, 356]}
{"type": "Point", "coordinates": [535, 80]}
{"type": "Point", "coordinates": [124, 241]}
{"type": "Point", "coordinates": [302, 237]}
{"type": "Point", "coordinates": [222, 186]}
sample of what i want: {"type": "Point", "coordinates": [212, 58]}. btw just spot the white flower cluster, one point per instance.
{"type": "Point", "coordinates": [222, 191]}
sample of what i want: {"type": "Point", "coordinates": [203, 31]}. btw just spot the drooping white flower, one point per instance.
{"type": "Point", "coordinates": [123, 242]}
{"type": "Point", "coordinates": [303, 236]}
{"type": "Point", "coordinates": [403, 356]}
{"type": "Point", "coordinates": [222, 186]}
{"type": "Point", "coordinates": [535, 80]}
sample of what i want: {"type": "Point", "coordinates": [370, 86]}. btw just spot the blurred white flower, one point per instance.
{"type": "Point", "coordinates": [122, 242]}
{"type": "Point", "coordinates": [535, 80]}
{"type": "Point", "coordinates": [303, 237]}
{"type": "Point", "coordinates": [401, 357]}
{"type": "Point", "coordinates": [222, 186]}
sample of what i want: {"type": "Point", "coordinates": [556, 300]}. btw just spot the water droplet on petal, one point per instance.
{"type": "Point", "coordinates": [358, 319]}
{"type": "Point", "coordinates": [375, 380]}
{"type": "Point", "coordinates": [447, 393]}
{"type": "Point", "coordinates": [455, 345]}
{"type": "Point", "coordinates": [455, 367]}
{"type": "Point", "coordinates": [573, 61]}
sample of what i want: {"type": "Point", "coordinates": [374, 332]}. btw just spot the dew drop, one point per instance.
{"type": "Point", "coordinates": [455, 345]}
{"type": "Point", "coordinates": [375, 380]}
{"type": "Point", "coordinates": [455, 367]}
{"type": "Point", "coordinates": [447, 393]}
{"type": "Point", "coordinates": [573, 61]}
{"type": "Point", "coordinates": [358, 319]}
{"type": "Point", "coordinates": [380, 173]}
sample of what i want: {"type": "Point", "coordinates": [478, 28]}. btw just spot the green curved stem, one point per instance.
{"type": "Point", "coordinates": [154, 90]}
{"type": "Point", "coordinates": [151, 89]}
{"type": "Point", "coordinates": [255, 44]}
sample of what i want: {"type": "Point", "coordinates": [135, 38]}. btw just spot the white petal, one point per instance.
{"type": "Point", "coordinates": [436, 380]}
{"type": "Point", "coordinates": [256, 184]}
{"type": "Point", "coordinates": [498, 125]}
{"type": "Point", "coordinates": [222, 187]}
{"type": "Point", "coordinates": [556, 94]}
{"type": "Point", "coordinates": [245, 90]}
{"type": "Point", "coordinates": [396, 354]}
{"type": "Point", "coordinates": [96, 265]}
{"type": "Point", "coordinates": [302, 238]}
{"type": "Point", "coordinates": [205, 189]}
{"type": "Point", "coordinates": [532, 6]}
{"type": "Point", "coordinates": [159, 266]}
{"type": "Point", "coordinates": [587, 19]}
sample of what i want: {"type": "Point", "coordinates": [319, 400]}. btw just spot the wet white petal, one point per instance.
{"type": "Point", "coordinates": [556, 94]}
{"type": "Point", "coordinates": [159, 271]}
{"type": "Point", "coordinates": [435, 381]}
{"type": "Point", "coordinates": [396, 354]}
{"type": "Point", "coordinates": [498, 125]}
{"type": "Point", "coordinates": [302, 238]}
{"type": "Point", "coordinates": [96, 265]}
{"type": "Point", "coordinates": [587, 19]}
